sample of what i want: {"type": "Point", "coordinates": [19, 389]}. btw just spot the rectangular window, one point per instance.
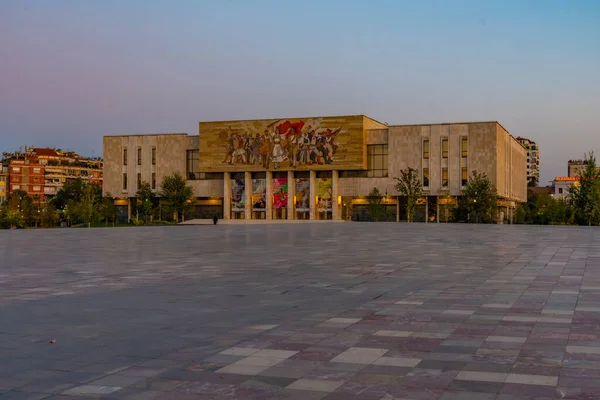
{"type": "Point", "coordinates": [37, 170]}
{"type": "Point", "coordinates": [377, 160]}
{"type": "Point", "coordinates": [125, 156]}
{"type": "Point", "coordinates": [139, 180]}
{"type": "Point", "coordinates": [154, 156]}
{"type": "Point", "coordinates": [444, 147]}
{"type": "Point", "coordinates": [464, 147]}
{"type": "Point", "coordinates": [464, 176]}
{"type": "Point", "coordinates": [16, 169]}
{"type": "Point", "coordinates": [425, 177]}
{"type": "Point", "coordinates": [192, 164]}
{"type": "Point", "coordinates": [444, 177]}
{"type": "Point", "coordinates": [125, 182]}
{"type": "Point", "coordinates": [16, 187]}
{"type": "Point", "coordinates": [36, 188]}
{"type": "Point", "coordinates": [139, 156]}
{"type": "Point", "coordinates": [154, 180]}
{"type": "Point", "coordinates": [426, 149]}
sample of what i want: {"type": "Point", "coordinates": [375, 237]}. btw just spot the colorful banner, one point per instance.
{"type": "Point", "coordinates": [238, 192]}
{"type": "Point", "coordinates": [280, 193]}
{"type": "Point", "coordinates": [324, 192]}
{"type": "Point", "coordinates": [259, 194]}
{"type": "Point", "coordinates": [302, 194]}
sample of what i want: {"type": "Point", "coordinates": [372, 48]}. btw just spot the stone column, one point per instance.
{"type": "Point", "coordinates": [313, 194]}
{"type": "Point", "coordinates": [269, 199]}
{"type": "Point", "coordinates": [335, 207]}
{"type": "Point", "coordinates": [128, 209]}
{"type": "Point", "coordinates": [248, 195]}
{"type": "Point", "coordinates": [227, 195]}
{"type": "Point", "coordinates": [291, 195]}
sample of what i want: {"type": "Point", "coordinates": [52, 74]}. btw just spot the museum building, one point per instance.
{"type": "Point", "coordinates": [317, 168]}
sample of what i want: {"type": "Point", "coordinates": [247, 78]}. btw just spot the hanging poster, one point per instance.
{"type": "Point", "coordinates": [259, 194]}
{"type": "Point", "coordinates": [302, 194]}
{"type": "Point", "coordinates": [238, 193]}
{"type": "Point", "coordinates": [324, 194]}
{"type": "Point", "coordinates": [280, 193]}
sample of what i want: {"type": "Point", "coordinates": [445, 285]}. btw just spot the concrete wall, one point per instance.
{"type": "Point", "coordinates": [170, 158]}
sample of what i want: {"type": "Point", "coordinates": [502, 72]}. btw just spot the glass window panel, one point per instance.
{"type": "Point", "coordinates": [378, 162]}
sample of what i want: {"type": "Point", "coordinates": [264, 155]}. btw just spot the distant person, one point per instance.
{"type": "Point", "coordinates": [215, 219]}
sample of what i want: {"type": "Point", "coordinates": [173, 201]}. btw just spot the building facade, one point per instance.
{"type": "Point", "coordinates": [28, 177]}
{"type": "Point", "coordinates": [317, 168]}
{"type": "Point", "coordinates": [58, 166]}
{"type": "Point", "coordinates": [576, 167]}
{"type": "Point", "coordinates": [4, 179]}
{"type": "Point", "coordinates": [533, 160]}
{"type": "Point", "coordinates": [562, 184]}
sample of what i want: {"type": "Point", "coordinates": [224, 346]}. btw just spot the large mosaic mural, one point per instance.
{"type": "Point", "coordinates": [302, 144]}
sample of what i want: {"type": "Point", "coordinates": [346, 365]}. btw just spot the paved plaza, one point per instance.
{"type": "Point", "coordinates": [301, 311]}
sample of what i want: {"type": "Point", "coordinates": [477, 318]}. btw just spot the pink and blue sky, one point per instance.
{"type": "Point", "coordinates": [72, 71]}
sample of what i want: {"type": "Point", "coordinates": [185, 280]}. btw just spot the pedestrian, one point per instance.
{"type": "Point", "coordinates": [215, 219]}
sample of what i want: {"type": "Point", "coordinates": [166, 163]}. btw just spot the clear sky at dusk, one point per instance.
{"type": "Point", "coordinates": [72, 71]}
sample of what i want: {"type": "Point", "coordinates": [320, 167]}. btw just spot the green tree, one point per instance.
{"type": "Point", "coordinates": [478, 200]}
{"type": "Point", "coordinates": [409, 185]}
{"type": "Point", "coordinates": [72, 189]}
{"type": "Point", "coordinates": [69, 212]}
{"type": "Point", "coordinates": [584, 195]}
{"type": "Point", "coordinates": [177, 194]}
{"type": "Point", "coordinates": [145, 200]}
{"type": "Point", "coordinates": [108, 211]}
{"type": "Point", "coordinates": [375, 208]}
{"type": "Point", "coordinates": [87, 207]}
{"type": "Point", "coordinates": [49, 216]}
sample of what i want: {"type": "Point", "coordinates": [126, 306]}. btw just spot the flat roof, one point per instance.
{"type": "Point", "coordinates": [288, 117]}
{"type": "Point", "coordinates": [149, 134]}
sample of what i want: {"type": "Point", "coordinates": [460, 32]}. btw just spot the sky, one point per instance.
{"type": "Point", "coordinates": [72, 71]}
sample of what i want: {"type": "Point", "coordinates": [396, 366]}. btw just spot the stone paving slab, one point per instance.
{"type": "Point", "coordinates": [301, 311]}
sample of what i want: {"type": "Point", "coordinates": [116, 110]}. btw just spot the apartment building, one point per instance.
{"type": "Point", "coordinates": [533, 160]}
{"type": "Point", "coordinates": [59, 166]}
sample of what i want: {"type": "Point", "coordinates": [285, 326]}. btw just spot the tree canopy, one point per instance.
{"type": "Point", "coordinates": [584, 194]}
{"type": "Point", "coordinates": [478, 200]}
{"type": "Point", "coordinates": [375, 208]}
{"type": "Point", "coordinates": [409, 185]}
{"type": "Point", "coordinates": [176, 193]}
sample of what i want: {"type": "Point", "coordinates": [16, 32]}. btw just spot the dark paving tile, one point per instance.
{"type": "Point", "coordinates": [153, 313]}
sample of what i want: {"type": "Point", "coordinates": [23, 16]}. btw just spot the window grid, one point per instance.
{"type": "Point", "coordinates": [139, 156]}
{"type": "Point", "coordinates": [444, 177]}
{"type": "Point", "coordinates": [139, 180]}
{"type": "Point", "coordinates": [125, 182]}
{"type": "Point", "coordinates": [426, 149]}
{"type": "Point", "coordinates": [444, 147]}
{"type": "Point", "coordinates": [426, 177]}
{"type": "Point", "coordinates": [125, 156]}
{"type": "Point", "coordinates": [464, 147]}
{"type": "Point", "coordinates": [377, 160]}
{"type": "Point", "coordinates": [154, 180]}
{"type": "Point", "coordinates": [192, 164]}
{"type": "Point", "coordinates": [154, 156]}
{"type": "Point", "coordinates": [464, 176]}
